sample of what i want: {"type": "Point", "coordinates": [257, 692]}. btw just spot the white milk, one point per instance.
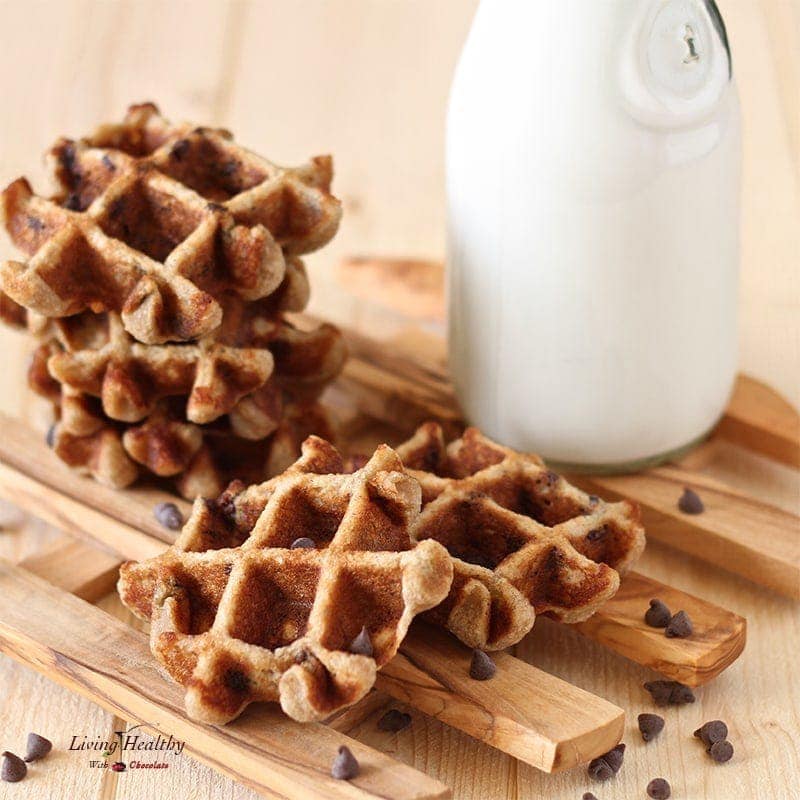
{"type": "Point", "coordinates": [593, 191]}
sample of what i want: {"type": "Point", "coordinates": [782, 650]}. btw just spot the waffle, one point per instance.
{"type": "Point", "coordinates": [159, 222]}
{"type": "Point", "coordinates": [260, 621]}
{"type": "Point", "coordinates": [131, 378]}
{"type": "Point", "coordinates": [523, 540]}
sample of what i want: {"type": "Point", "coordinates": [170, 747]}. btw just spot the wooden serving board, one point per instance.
{"type": "Point", "coordinates": [382, 395]}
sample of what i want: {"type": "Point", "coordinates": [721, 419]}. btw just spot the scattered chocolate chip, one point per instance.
{"type": "Point", "coordinates": [614, 757]}
{"type": "Point", "coordinates": [108, 163]}
{"type": "Point", "coordinates": [362, 644]}
{"type": "Point", "coordinates": [38, 747]}
{"type": "Point", "coordinates": [721, 751]}
{"type": "Point", "coordinates": [35, 224]}
{"type": "Point", "coordinates": [345, 767]}
{"type": "Point", "coordinates": [710, 732]}
{"type": "Point", "coordinates": [658, 789]}
{"type": "Point", "coordinates": [680, 626]}
{"type": "Point", "coordinates": [669, 693]}
{"type": "Point", "coordinates": [50, 436]}
{"type": "Point", "coordinates": [658, 615]}
{"type": "Point", "coordinates": [303, 543]}
{"type": "Point", "coordinates": [650, 725]}
{"type": "Point", "coordinates": [588, 796]}
{"type": "Point", "coordinates": [599, 770]}
{"type": "Point", "coordinates": [606, 766]}
{"type": "Point", "coordinates": [169, 515]}
{"type": "Point", "coordinates": [14, 769]}
{"type": "Point", "coordinates": [690, 502]}
{"type": "Point", "coordinates": [594, 499]}
{"type": "Point", "coordinates": [394, 721]}
{"type": "Point", "coordinates": [481, 668]}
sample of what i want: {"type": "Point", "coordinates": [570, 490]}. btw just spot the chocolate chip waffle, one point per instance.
{"type": "Point", "coordinates": [132, 378]}
{"type": "Point", "coordinates": [306, 626]}
{"type": "Point", "coordinates": [158, 222]}
{"type": "Point", "coordinates": [523, 540]}
{"type": "Point", "coordinates": [293, 204]}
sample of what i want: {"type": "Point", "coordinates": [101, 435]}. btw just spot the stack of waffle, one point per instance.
{"type": "Point", "coordinates": [157, 285]}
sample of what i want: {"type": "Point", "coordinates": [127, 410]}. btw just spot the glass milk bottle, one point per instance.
{"type": "Point", "coordinates": [593, 152]}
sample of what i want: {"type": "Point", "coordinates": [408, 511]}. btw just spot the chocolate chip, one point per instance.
{"type": "Point", "coordinates": [38, 747]}
{"type": "Point", "coordinates": [302, 543]}
{"type": "Point", "coordinates": [588, 796]}
{"type": "Point", "coordinates": [179, 149]}
{"type": "Point", "coordinates": [14, 769]}
{"type": "Point", "coordinates": [236, 680]}
{"type": "Point", "coordinates": [108, 163]}
{"type": "Point", "coordinates": [650, 725]}
{"type": "Point", "coordinates": [599, 770]}
{"type": "Point", "coordinates": [597, 534]}
{"type": "Point", "coordinates": [614, 757]}
{"type": "Point", "coordinates": [658, 615]}
{"type": "Point", "coordinates": [35, 224]}
{"type": "Point", "coordinates": [50, 436]}
{"type": "Point", "coordinates": [721, 751]}
{"type": "Point", "coordinates": [690, 502]}
{"type": "Point", "coordinates": [362, 644]}
{"type": "Point", "coordinates": [169, 515]}
{"type": "Point", "coordinates": [481, 668]}
{"type": "Point", "coordinates": [680, 626]}
{"type": "Point", "coordinates": [669, 693]}
{"type": "Point", "coordinates": [73, 202]}
{"type": "Point", "coordinates": [710, 732]}
{"type": "Point", "coordinates": [345, 767]}
{"type": "Point", "coordinates": [606, 766]}
{"type": "Point", "coordinates": [394, 721]}
{"type": "Point", "coordinates": [658, 789]}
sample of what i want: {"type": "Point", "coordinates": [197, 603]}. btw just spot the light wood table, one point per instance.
{"type": "Point", "coordinates": [367, 80]}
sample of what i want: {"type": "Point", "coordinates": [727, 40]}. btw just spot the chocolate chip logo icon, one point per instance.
{"type": "Point", "coordinates": [118, 766]}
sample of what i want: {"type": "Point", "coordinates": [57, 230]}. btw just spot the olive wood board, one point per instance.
{"type": "Point", "coordinates": [558, 726]}
{"type": "Point", "coordinates": [89, 651]}
{"type": "Point", "coordinates": [737, 531]}
{"type": "Point", "coordinates": [123, 522]}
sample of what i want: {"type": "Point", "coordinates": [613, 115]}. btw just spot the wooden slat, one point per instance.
{"type": "Point", "coordinates": [559, 727]}
{"type": "Point", "coordinates": [736, 531]}
{"type": "Point", "coordinates": [523, 711]}
{"type": "Point", "coordinates": [88, 651]}
{"type": "Point", "coordinates": [759, 419]}
{"type": "Point", "coordinates": [24, 448]}
{"type": "Point", "coordinates": [620, 631]}
{"type": "Point", "coordinates": [71, 565]}
{"type": "Point", "coordinates": [414, 287]}
{"type": "Point", "coordinates": [717, 641]}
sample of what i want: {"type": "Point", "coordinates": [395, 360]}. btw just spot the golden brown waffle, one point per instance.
{"type": "Point", "coordinates": [294, 204]}
{"type": "Point", "coordinates": [75, 266]}
{"type": "Point", "coordinates": [307, 627]}
{"type": "Point", "coordinates": [523, 539]}
{"type": "Point", "coordinates": [131, 378]}
{"type": "Point", "coordinates": [159, 222]}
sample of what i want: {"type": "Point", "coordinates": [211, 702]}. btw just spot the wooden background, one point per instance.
{"type": "Point", "coordinates": [367, 81]}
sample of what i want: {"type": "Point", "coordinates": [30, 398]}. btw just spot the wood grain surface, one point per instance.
{"type": "Point", "coordinates": [87, 650]}
{"type": "Point", "coordinates": [367, 80]}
